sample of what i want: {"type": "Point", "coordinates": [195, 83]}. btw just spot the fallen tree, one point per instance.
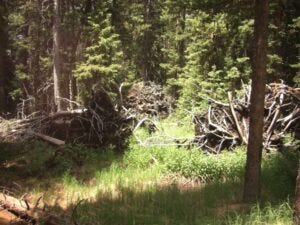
{"type": "Point", "coordinates": [225, 125]}
{"type": "Point", "coordinates": [29, 213]}
{"type": "Point", "coordinates": [98, 123]}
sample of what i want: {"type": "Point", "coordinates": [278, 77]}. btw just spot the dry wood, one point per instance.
{"type": "Point", "coordinates": [29, 213]}
{"type": "Point", "coordinates": [147, 99]}
{"type": "Point", "coordinates": [47, 138]}
{"type": "Point", "coordinates": [225, 125]}
{"type": "Point", "coordinates": [242, 136]}
{"type": "Point", "coordinates": [96, 124]}
{"type": "Point", "coordinates": [20, 208]}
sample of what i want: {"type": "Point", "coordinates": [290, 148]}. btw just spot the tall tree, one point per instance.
{"type": "Point", "coordinates": [5, 63]}
{"type": "Point", "coordinates": [252, 183]}
{"type": "Point", "coordinates": [103, 64]}
{"type": "Point", "coordinates": [173, 39]}
{"type": "Point", "coordinates": [3, 42]}
{"type": "Point", "coordinates": [56, 57]}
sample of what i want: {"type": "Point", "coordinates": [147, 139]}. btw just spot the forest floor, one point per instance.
{"type": "Point", "coordinates": [147, 185]}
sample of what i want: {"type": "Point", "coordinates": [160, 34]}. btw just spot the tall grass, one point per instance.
{"type": "Point", "coordinates": [132, 189]}
{"type": "Point", "coordinates": [153, 185]}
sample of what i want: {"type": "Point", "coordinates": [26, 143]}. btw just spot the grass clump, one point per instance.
{"type": "Point", "coordinates": [279, 172]}
{"type": "Point", "coordinates": [280, 214]}
{"type": "Point", "coordinates": [189, 163]}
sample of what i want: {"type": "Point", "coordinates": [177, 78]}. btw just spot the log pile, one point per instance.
{"type": "Point", "coordinates": [225, 125]}
{"type": "Point", "coordinates": [146, 99]}
{"type": "Point", "coordinates": [98, 123]}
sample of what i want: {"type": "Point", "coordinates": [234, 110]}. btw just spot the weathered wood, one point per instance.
{"type": "Point", "coordinates": [242, 136]}
{"type": "Point", "coordinates": [20, 208]}
{"type": "Point", "coordinates": [47, 138]}
{"type": "Point", "coordinates": [31, 214]}
{"type": "Point", "coordinates": [227, 125]}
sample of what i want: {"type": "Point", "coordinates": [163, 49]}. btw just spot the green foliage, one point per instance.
{"type": "Point", "coordinates": [173, 16]}
{"type": "Point", "coordinates": [195, 48]}
{"type": "Point", "coordinates": [189, 163]}
{"type": "Point", "coordinates": [216, 56]}
{"type": "Point", "coordinates": [279, 172]}
{"type": "Point", "coordinates": [136, 189]}
{"type": "Point", "coordinates": [26, 159]}
{"type": "Point", "coordinates": [295, 28]}
{"type": "Point", "coordinates": [270, 214]}
{"type": "Point", "coordinates": [104, 64]}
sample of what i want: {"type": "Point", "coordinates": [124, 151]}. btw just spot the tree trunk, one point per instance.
{"type": "Point", "coordinates": [2, 58]}
{"type": "Point", "coordinates": [252, 184]}
{"type": "Point", "coordinates": [6, 74]}
{"type": "Point", "coordinates": [73, 91]}
{"type": "Point", "coordinates": [34, 31]}
{"type": "Point", "coordinates": [297, 200]}
{"type": "Point", "coordinates": [56, 57]}
{"type": "Point", "coordinates": [181, 44]}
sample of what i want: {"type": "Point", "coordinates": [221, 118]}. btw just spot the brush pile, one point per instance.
{"type": "Point", "coordinates": [146, 99]}
{"type": "Point", "coordinates": [225, 125]}
{"type": "Point", "coordinates": [96, 124]}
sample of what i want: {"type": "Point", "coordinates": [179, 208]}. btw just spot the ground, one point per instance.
{"type": "Point", "coordinates": [146, 184]}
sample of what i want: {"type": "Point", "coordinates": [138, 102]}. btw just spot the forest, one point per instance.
{"type": "Point", "coordinates": [146, 112]}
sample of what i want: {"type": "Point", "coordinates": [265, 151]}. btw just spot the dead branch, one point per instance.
{"type": "Point", "coordinates": [216, 128]}
{"type": "Point", "coordinates": [47, 138]}
{"type": "Point", "coordinates": [242, 136]}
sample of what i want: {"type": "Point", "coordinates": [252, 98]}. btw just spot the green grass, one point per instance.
{"type": "Point", "coordinates": [171, 205]}
{"type": "Point", "coordinates": [189, 163]}
{"type": "Point", "coordinates": [150, 185]}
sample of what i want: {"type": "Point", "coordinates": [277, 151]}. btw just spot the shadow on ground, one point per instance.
{"type": "Point", "coordinates": [36, 165]}
{"type": "Point", "coordinates": [211, 204]}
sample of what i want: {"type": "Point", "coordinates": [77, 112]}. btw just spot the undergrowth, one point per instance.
{"type": "Point", "coordinates": [151, 185]}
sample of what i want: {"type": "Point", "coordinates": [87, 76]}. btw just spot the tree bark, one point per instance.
{"type": "Point", "coordinates": [252, 183]}
{"type": "Point", "coordinates": [34, 31]}
{"type": "Point", "coordinates": [181, 44]}
{"type": "Point", "coordinates": [56, 57]}
{"type": "Point", "coordinates": [2, 58]}
{"type": "Point", "coordinates": [296, 215]}
{"type": "Point", "coordinates": [6, 69]}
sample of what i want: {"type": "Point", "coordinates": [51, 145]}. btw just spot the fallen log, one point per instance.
{"type": "Point", "coordinates": [31, 214]}
{"type": "Point", "coordinates": [21, 208]}
{"type": "Point", "coordinates": [47, 138]}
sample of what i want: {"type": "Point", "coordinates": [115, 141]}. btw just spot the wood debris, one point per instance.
{"type": "Point", "coordinates": [29, 213]}
{"type": "Point", "coordinates": [226, 125]}
{"type": "Point", "coordinates": [99, 123]}
{"type": "Point", "coordinates": [147, 99]}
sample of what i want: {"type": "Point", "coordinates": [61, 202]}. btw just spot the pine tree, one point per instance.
{"type": "Point", "coordinates": [103, 63]}
{"type": "Point", "coordinates": [252, 184]}
{"type": "Point", "coordinates": [217, 55]}
{"type": "Point", "coordinates": [174, 38]}
{"type": "Point", "coordinates": [6, 75]}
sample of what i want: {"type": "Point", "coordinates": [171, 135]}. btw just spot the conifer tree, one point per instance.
{"type": "Point", "coordinates": [6, 75]}
{"type": "Point", "coordinates": [103, 65]}
{"type": "Point", "coordinates": [174, 38]}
